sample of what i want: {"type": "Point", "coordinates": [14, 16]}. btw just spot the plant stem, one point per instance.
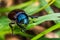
{"type": "Point", "coordinates": [46, 31]}
{"type": "Point", "coordinates": [47, 9]}
{"type": "Point", "coordinates": [43, 5]}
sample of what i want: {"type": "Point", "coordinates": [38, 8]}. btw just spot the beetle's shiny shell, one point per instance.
{"type": "Point", "coordinates": [13, 13]}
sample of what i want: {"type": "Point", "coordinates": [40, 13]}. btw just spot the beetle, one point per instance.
{"type": "Point", "coordinates": [19, 17]}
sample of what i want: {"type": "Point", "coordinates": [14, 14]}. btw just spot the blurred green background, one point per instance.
{"type": "Point", "coordinates": [49, 9]}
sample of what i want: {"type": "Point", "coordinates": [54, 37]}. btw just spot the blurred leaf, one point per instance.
{"type": "Point", "coordinates": [47, 9]}
{"type": "Point", "coordinates": [2, 10]}
{"type": "Point", "coordinates": [32, 8]}
{"type": "Point", "coordinates": [41, 4]}
{"type": "Point", "coordinates": [57, 3]}
{"type": "Point", "coordinates": [46, 31]}
{"type": "Point", "coordinates": [41, 19]}
{"type": "Point", "coordinates": [5, 29]}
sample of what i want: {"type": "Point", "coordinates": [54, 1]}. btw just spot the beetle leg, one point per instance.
{"type": "Point", "coordinates": [10, 24]}
{"type": "Point", "coordinates": [21, 27]}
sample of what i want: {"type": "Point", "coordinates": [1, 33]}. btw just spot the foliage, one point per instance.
{"type": "Point", "coordinates": [31, 8]}
{"type": "Point", "coordinates": [57, 3]}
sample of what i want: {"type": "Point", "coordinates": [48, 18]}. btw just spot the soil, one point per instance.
{"type": "Point", "coordinates": [14, 37]}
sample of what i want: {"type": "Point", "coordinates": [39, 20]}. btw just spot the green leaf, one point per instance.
{"type": "Point", "coordinates": [20, 6]}
{"type": "Point", "coordinates": [41, 19]}
{"type": "Point", "coordinates": [47, 9]}
{"type": "Point", "coordinates": [57, 3]}
{"type": "Point", "coordinates": [46, 31]}
{"type": "Point", "coordinates": [5, 29]}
